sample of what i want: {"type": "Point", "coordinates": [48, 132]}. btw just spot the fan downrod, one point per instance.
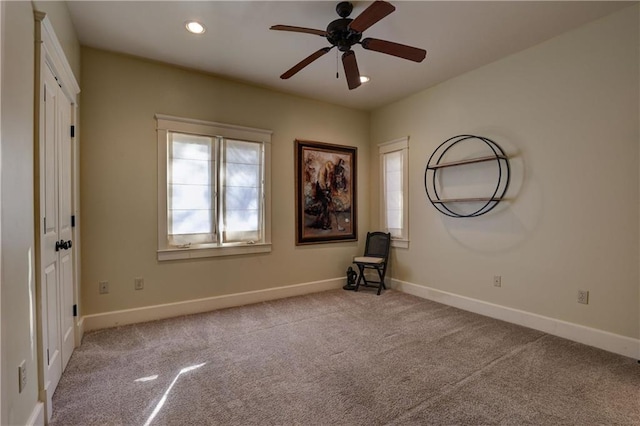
{"type": "Point", "coordinates": [344, 9]}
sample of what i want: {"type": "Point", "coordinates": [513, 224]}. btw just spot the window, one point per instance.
{"type": "Point", "coordinates": [394, 172]}
{"type": "Point", "coordinates": [213, 189]}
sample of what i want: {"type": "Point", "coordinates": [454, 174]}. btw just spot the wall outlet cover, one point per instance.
{"type": "Point", "coordinates": [497, 281]}
{"type": "Point", "coordinates": [583, 297]}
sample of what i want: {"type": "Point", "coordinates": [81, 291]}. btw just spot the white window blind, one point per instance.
{"type": "Point", "coordinates": [190, 189]}
{"type": "Point", "coordinates": [242, 190]}
{"type": "Point", "coordinates": [394, 206]}
{"type": "Point", "coordinates": [393, 165]}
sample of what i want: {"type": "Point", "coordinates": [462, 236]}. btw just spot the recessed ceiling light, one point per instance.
{"type": "Point", "coordinates": [194, 27]}
{"type": "Point", "coordinates": [364, 79]}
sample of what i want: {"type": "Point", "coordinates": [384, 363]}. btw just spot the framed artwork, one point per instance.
{"type": "Point", "coordinates": [325, 193]}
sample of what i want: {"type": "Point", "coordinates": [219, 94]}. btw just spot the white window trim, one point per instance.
{"type": "Point", "coordinates": [167, 123]}
{"type": "Point", "coordinates": [401, 144]}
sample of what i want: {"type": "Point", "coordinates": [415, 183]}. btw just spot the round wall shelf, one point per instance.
{"type": "Point", "coordinates": [474, 205]}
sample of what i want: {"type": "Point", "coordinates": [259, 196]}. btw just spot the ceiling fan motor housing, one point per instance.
{"type": "Point", "coordinates": [339, 34]}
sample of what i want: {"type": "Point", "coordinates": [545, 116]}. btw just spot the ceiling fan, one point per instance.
{"type": "Point", "coordinates": [345, 32]}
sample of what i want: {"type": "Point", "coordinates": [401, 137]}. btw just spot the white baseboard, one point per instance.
{"type": "Point", "coordinates": [611, 342]}
{"type": "Point", "coordinates": [151, 313]}
{"type": "Point", "coordinates": [37, 415]}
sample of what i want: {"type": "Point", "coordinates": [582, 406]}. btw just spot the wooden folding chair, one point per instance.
{"type": "Point", "coordinates": [376, 256]}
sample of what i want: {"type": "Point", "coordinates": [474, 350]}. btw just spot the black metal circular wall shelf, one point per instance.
{"type": "Point", "coordinates": [436, 164]}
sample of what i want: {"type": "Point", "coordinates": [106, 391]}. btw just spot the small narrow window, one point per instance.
{"type": "Point", "coordinates": [394, 172]}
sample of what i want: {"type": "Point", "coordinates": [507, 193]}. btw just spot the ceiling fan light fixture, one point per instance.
{"type": "Point", "coordinates": [364, 79]}
{"type": "Point", "coordinates": [194, 27]}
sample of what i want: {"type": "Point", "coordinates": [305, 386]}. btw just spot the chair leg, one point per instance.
{"type": "Point", "coordinates": [381, 284]}
{"type": "Point", "coordinates": [360, 276]}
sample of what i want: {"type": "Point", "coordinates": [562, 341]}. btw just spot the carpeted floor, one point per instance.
{"type": "Point", "coordinates": [341, 357]}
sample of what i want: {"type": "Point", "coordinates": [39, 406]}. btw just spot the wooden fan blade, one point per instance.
{"type": "Point", "coordinates": [395, 49]}
{"type": "Point", "coordinates": [298, 30]}
{"type": "Point", "coordinates": [378, 10]}
{"type": "Point", "coordinates": [351, 69]}
{"type": "Point", "coordinates": [306, 61]}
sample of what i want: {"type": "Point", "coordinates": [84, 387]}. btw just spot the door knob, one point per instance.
{"type": "Point", "coordinates": [63, 245]}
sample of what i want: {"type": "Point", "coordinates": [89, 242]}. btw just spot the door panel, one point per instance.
{"type": "Point", "coordinates": [49, 219]}
{"type": "Point", "coordinates": [49, 183]}
{"type": "Point", "coordinates": [64, 228]}
{"type": "Point", "coordinates": [66, 314]}
{"type": "Point", "coordinates": [53, 361]}
{"type": "Point", "coordinates": [64, 168]}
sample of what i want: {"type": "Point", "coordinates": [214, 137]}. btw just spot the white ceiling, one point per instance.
{"type": "Point", "coordinates": [458, 36]}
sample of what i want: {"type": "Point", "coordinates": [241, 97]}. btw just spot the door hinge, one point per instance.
{"type": "Point", "coordinates": [73, 221]}
{"type": "Point", "coordinates": [45, 225]}
{"type": "Point", "coordinates": [47, 356]}
{"type": "Point", "coordinates": [75, 310]}
{"type": "Point", "coordinates": [73, 131]}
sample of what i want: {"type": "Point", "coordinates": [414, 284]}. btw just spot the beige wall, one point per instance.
{"type": "Point", "coordinates": [119, 185]}
{"type": "Point", "coordinates": [567, 112]}
{"type": "Point", "coordinates": [18, 285]}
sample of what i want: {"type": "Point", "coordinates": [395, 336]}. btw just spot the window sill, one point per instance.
{"type": "Point", "coordinates": [400, 243]}
{"type": "Point", "coordinates": [197, 253]}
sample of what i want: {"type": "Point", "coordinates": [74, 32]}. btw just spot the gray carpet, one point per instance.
{"type": "Point", "coordinates": [341, 357]}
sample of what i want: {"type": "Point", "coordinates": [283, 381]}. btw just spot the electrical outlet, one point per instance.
{"type": "Point", "coordinates": [583, 297]}
{"type": "Point", "coordinates": [497, 281]}
{"type": "Point", "coordinates": [22, 376]}
{"type": "Point", "coordinates": [103, 287]}
{"type": "Point", "coordinates": [138, 283]}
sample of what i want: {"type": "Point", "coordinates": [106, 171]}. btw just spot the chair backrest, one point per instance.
{"type": "Point", "coordinates": [378, 244]}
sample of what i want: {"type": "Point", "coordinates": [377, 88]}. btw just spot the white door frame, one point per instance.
{"type": "Point", "coordinates": [75, 206]}
{"type": "Point", "coordinates": [49, 53]}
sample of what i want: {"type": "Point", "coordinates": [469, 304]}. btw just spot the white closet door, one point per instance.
{"type": "Point", "coordinates": [50, 285]}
